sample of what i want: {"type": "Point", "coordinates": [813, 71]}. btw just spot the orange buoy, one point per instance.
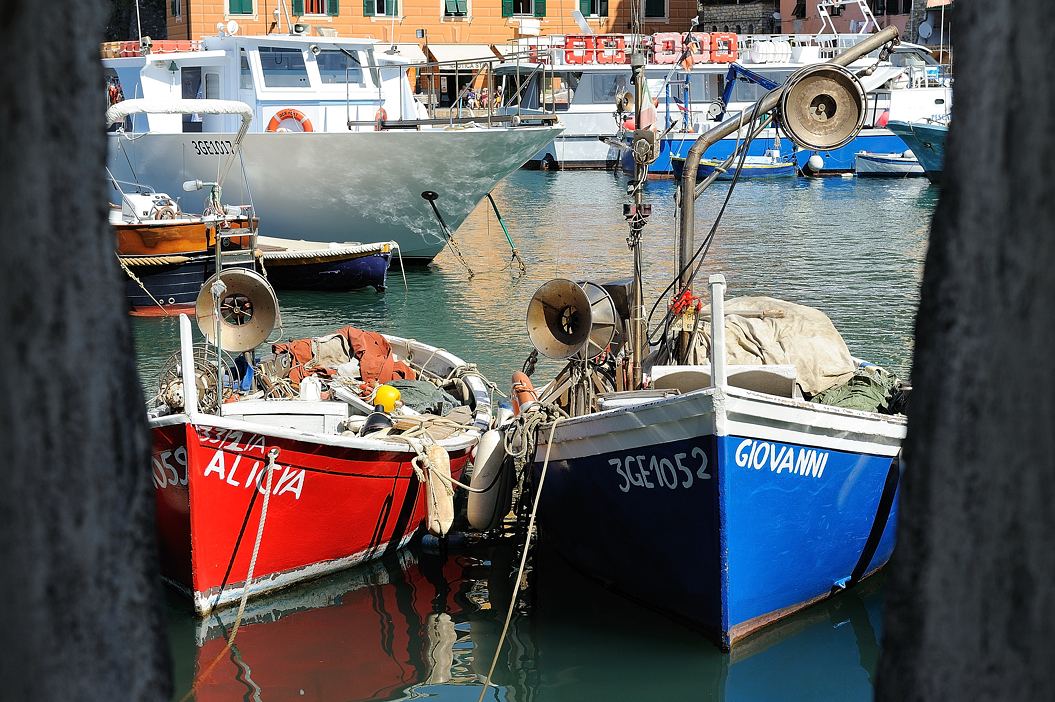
{"type": "Point", "coordinates": [523, 392]}
{"type": "Point", "coordinates": [289, 113]}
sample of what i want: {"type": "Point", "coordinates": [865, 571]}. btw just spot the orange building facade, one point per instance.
{"type": "Point", "coordinates": [444, 21]}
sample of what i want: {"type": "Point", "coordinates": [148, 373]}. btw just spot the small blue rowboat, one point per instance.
{"type": "Point", "coordinates": [754, 167]}
{"type": "Point", "coordinates": [311, 265]}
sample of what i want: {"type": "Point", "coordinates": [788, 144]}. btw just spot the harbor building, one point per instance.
{"type": "Point", "coordinates": [455, 22]}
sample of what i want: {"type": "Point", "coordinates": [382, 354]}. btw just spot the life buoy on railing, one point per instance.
{"type": "Point", "coordinates": [379, 118]}
{"type": "Point", "coordinates": [723, 47]}
{"type": "Point", "coordinates": [285, 113]}
{"type": "Point", "coordinates": [610, 48]}
{"type": "Point", "coordinates": [666, 47]}
{"type": "Point", "coordinates": [578, 48]}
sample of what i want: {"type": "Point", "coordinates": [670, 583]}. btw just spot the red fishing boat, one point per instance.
{"type": "Point", "coordinates": [259, 489]}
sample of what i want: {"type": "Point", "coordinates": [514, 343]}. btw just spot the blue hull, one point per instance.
{"type": "Point", "coordinates": [836, 161]}
{"type": "Point", "coordinates": [724, 533]}
{"type": "Point", "coordinates": [927, 141]}
{"type": "Point", "coordinates": [337, 275]}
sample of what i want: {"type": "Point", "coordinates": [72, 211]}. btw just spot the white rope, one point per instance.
{"type": "Point", "coordinates": [272, 456]}
{"type": "Point", "coordinates": [523, 563]}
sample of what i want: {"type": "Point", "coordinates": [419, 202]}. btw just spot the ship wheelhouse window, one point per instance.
{"type": "Point", "coordinates": [607, 87]}
{"type": "Point", "coordinates": [336, 66]}
{"type": "Point", "coordinates": [245, 80]}
{"type": "Point", "coordinates": [283, 67]}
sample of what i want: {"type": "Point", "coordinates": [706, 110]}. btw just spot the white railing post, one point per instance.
{"type": "Point", "coordinates": [190, 388]}
{"type": "Point", "coordinates": [717, 284]}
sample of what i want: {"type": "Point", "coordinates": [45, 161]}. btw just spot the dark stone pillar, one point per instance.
{"type": "Point", "coordinates": [970, 606]}
{"type": "Point", "coordinates": [79, 592]}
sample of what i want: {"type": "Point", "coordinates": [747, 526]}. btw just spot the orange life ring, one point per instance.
{"type": "Point", "coordinates": [379, 117]}
{"type": "Point", "coordinates": [289, 113]}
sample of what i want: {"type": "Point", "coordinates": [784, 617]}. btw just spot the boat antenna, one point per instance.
{"type": "Point", "coordinates": [285, 11]}
{"type": "Point", "coordinates": [139, 24]}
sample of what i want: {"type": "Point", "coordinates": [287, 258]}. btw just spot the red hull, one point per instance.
{"type": "Point", "coordinates": [330, 508]}
{"type": "Point", "coordinates": [363, 635]}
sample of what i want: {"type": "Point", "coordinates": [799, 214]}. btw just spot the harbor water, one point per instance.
{"type": "Point", "coordinates": [426, 623]}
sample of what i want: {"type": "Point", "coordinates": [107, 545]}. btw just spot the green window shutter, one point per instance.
{"type": "Point", "coordinates": [333, 8]}
{"type": "Point", "coordinates": [584, 7]}
{"type": "Point", "coordinates": [452, 6]}
{"type": "Point", "coordinates": [298, 7]}
{"type": "Point", "coordinates": [368, 8]}
{"type": "Point", "coordinates": [463, 6]}
{"type": "Point", "coordinates": [507, 8]}
{"type": "Point", "coordinates": [655, 8]}
{"type": "Point", "coordinates": [240, 7]}
{"type": "Point", "coordinates": [603, 8]}
{"type": "Point", "coordinates": [392, 8]}
{"type": "Point", "coordinates": [540, 8]}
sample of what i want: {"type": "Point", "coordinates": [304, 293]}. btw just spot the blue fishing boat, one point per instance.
{"type": "Point", "coordinates": [927, 141]}
{"type": "Point", "coordinates": [310, 265]}
{"type": "Point", "coordinates": [726, 484]}
{"type": "Point", "coordinates": [770, 165]}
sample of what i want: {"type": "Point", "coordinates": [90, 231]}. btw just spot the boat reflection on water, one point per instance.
{"type": "Point", "coordinates": [425, 623]}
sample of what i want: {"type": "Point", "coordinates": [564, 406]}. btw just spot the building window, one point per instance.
{"type": "Point", "coordinates": [593, 8]}
{"type": "Point", "coordinates": [655, 9]}
{"type": "Point", "coordinates": [389, 8]}
{"type": "Point", "coordinates": [800, 10]}
{"type": "Point", "coordinates": [455, 8]}
{"type": "Point", "coordinates": [177, 8]}
{"type": "Point", "coordinates": [316, 7]}
{"type": "Point", "coordinates": [240, 7]}
{"type": "Point", "coordinates": [523, 8]}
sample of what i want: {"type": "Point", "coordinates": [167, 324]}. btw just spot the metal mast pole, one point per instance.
{"type": "Point", "coordinates": [637, 214]}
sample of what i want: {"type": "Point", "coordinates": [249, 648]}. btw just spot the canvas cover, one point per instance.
{"type": "Point", "coordinates": [803, 337]}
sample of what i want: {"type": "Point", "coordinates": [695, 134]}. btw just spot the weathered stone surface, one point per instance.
{"type": "Point", "coordinates": [970, 606]}
{"type": "Point", "coordinates": [80, 598]}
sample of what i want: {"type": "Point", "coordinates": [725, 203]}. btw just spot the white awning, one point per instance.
{"type": "Point", "coordinates": [464, 53]}
{"type": "Point", "coordinates": [118, 111]}
{"type": "Point", "coordinates": [407, 53]}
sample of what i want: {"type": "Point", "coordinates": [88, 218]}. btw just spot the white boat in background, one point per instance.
{"type": "Point", "coordinates": [694, 89]}
{"type": "Point", "coordinates": [339, 149]}
{"type": "Point", "coordinates": [889, 165]}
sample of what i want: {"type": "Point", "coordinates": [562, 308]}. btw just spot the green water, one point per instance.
{"type": "Point", "coordinates": [851, 248]}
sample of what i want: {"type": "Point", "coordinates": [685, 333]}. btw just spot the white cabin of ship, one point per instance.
{"type": "Point", "coordinates": [329, 81]}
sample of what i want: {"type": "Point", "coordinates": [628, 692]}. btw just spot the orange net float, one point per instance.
{"type": "Point", "coordinates": [523, 393]}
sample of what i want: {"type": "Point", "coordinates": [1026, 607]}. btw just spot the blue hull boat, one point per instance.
{"type": "Point", "coordinates": [726, 532]}
{"type": "Point", "coordinates": [301, 265]}
{"type": "Point", "coordinates": [725, 503]}
{"type": "Point", "coordinates": [927, 141]}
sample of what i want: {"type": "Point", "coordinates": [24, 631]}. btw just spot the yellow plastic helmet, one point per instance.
{"type": "Point", "coordinates": [386, 396]}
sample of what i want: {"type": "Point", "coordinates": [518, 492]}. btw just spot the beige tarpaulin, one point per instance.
{"type": "Point", "coordinates": [803, 337]}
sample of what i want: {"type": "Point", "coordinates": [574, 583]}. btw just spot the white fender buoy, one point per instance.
{"type": "Point", "coordinates": [815, 163]}
{"type": "Point", "coordinates": [439, 502]}
{"type": "Point", "coordinates": [486, 509]}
